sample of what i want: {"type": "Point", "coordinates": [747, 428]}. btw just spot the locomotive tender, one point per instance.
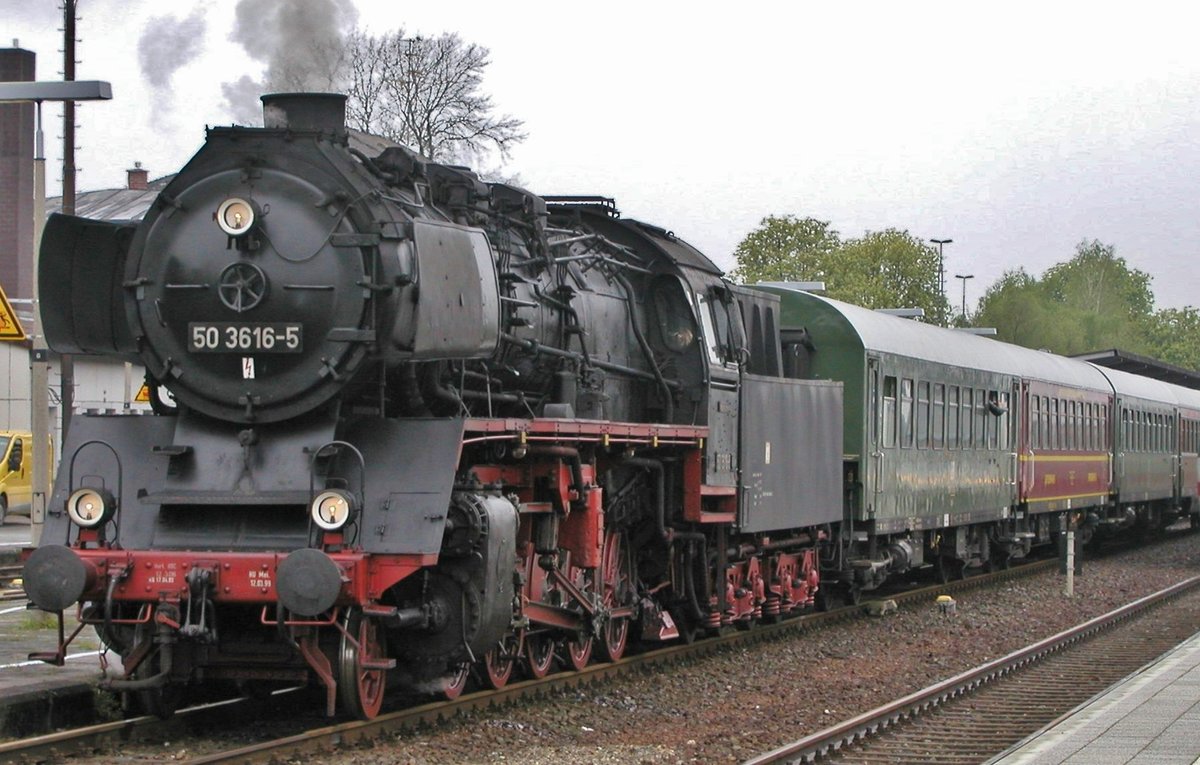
{"type": "Point", "coordinates": [423, 428]}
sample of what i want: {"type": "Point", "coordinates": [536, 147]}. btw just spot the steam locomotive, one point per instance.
{"type": "Point", "coordinates": [411, 427]}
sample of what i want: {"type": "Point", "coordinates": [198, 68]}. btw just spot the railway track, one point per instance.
{"type": "Point", "coordinates": [984, 711]}
{"type": "Point", "coordinates": [10, 585]}
{"type": "Point", "coordinates": [325, 736]}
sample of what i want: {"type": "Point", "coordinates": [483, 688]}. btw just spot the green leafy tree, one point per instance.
{"type": "Point", "coordinates": [1018, 306]}
{"type": "Point", "coordinates": [1174, 336]}
{"type": "Point", "coordinates": [785, 248]}
{"type": "Point", "coordinates": [888, 269]}
{"type": "Point", "coordinates": [881, 269]}
{"type": "Point", "coordinates": [1090, 302]}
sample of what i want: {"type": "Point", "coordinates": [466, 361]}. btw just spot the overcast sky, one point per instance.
{"type": "Point", "coordinates": [1016, 129]}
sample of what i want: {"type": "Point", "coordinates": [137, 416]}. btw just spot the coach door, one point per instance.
{"type": "Point", "coordinates": [885, 401]}
{"type": "Point", "coordinates": [1016, 426]}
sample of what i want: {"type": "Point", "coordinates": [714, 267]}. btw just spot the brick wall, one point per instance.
{"type": "Point", "coordinates": [16, 178]}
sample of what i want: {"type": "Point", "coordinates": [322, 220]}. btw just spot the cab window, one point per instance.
{"type": "Point", "coordinates": [676, 323]}
{"type": "Point", "coordinates": [715, 320]}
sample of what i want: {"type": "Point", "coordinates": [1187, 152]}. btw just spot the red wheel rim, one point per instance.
{"type": "Point", "coordinates": [579, 652]}
{"type": "Point", "coordinates": [498, 663]}
{"type": "Point", "coordinates": [454, 683]}
{"type": "Point", "coordinates": [539, 651]}
{"type": "Point", "coordinates": [614, 637]}
{"type": "Point", "coordinates": [361, 688]}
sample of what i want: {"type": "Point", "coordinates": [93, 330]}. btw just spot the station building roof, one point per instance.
{"type": "Point", "coordinates": [1144, 366]}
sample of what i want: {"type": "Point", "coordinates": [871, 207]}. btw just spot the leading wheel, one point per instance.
{"type": "Point", "coordinates": [360, 685]}
{"type": "Point", "coordinates": [616, 588]}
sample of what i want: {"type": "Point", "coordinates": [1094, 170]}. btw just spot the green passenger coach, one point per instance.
{"type": "Point", "coordinates": [937, 464]}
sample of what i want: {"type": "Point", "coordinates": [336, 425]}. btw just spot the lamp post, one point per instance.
{"type": "Point", "coordinates": [964, 278]}
{"type": "Point", "coordinates": [39, 398]}
{"type": "Point", "coordinates": [941, 265]}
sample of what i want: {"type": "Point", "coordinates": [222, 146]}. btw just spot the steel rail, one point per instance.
{"type": "Point", "coordinates": [816, 745]}
{"type": "Point", "coordinates": [145, 728]}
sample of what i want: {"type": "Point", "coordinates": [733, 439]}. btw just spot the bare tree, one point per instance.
{"type": "Point", "coordinates": [368, 64]}
{"type": "Point", "coordinates": [425, 93]}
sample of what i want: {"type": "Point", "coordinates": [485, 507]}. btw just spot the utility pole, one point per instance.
{"type": "Point", "coordinates": [941, 266]}
{"type": "Point", "coordinates": [964, 278]}
{"type": "Point", "coordinates": [66, 364]}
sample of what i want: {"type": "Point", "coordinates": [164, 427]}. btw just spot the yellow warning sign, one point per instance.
{"type": "Point", "coordinates": [143, 395]}
{"type": "Point", "coordinates": [10, 327]}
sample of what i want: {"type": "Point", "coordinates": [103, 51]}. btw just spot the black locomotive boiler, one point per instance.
{"type": "Point", "coordinates": [415, 427]}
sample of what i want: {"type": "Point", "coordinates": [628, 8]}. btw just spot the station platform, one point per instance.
{"type": "Point", "coordinates": [36, 697]}
{"type": "Point", "coordinates": [1150, 718]}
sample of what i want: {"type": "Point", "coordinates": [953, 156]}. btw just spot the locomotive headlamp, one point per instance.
{"type": "Point", "coordinates": [332, 509]}
{"type": "Point", "coordinates": [90, 508]}
{"type": "Point", "coordinates": [236, 216]}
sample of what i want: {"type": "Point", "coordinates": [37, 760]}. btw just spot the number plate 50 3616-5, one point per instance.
{"type": "Point", "coordinates": [245, 337]}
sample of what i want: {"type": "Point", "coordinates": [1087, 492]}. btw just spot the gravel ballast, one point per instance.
{"type": "Point", "coordinates": [730, 706]}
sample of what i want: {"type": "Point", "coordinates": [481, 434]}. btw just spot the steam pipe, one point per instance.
{"type": "Point", "coordinates": [536, 347]}
{"type": "Point", "coordinates": [669, 533]}
{"type": "Point", "coordinates": [668, 402]}
{"type": "Point", "coordinates": [571, 454]}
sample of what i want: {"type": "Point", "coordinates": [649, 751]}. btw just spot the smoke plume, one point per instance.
{"type": "Point", "coordinates": [302, 43]}
{"type": "Point", "coordinates": [167, 44]}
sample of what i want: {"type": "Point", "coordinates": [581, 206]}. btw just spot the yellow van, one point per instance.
{"type": "Point", "coordinates": [16, 473]}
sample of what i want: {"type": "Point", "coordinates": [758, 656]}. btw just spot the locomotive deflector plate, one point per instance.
{"type": "Point", "coordinates": [410, 466]}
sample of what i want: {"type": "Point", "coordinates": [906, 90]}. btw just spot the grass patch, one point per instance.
{"type": "Point", "coordinates": [32, 621]}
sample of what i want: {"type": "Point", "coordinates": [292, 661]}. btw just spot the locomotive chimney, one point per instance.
{"type": "Point", "coordinates": [321, 112]}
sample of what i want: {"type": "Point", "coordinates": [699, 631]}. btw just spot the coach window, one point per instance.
{"type": "Point", "coordinates": [939, 415]}
{"type": "Point", "coordinates": [981, 419]}
{"type": "Point", "coordinates": [1104, 445]}
{"type": "Point", "coordinates": [875, 394]}
{"type": "Point", "coordinates": [1035, 422]}
{"type": "Point", "coordinates": [995, 414]}
{"type": "Point", "coordinates": [1073, 423]}
{"type": "Point", "coordinates": [1047, 422]}
{"type": "Point", "coordinates": [1003, 421]}
{"type": "Point", "coordinates": [952, 417]}
{"type": "Point", "coordinates": [889, 411]}
{"type": "Point", "coordinates": [1052, 424]}
{"type": "Point", "coordinates": [1091, 426]}
{"type": "Point", "coordinates": [906, 412]}
{"type": "Point", "coordinates": [968, 417]}
{"type": "Point", "coordinates": [922, 415]}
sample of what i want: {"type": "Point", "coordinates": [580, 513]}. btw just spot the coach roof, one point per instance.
{"type": "Point", "coordinates": [882, 333]}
